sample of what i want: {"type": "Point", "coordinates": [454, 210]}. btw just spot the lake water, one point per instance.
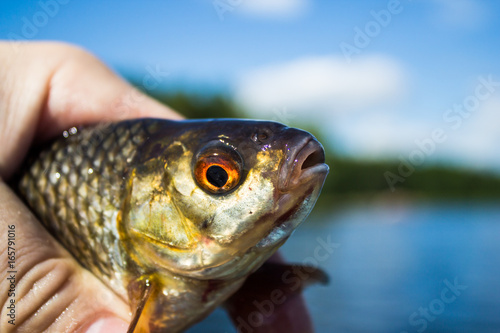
{"type": "Point", "coordinates": [403, 267]}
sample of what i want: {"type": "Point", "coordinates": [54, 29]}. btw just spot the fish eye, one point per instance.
{"type": "Point", "coordinates": [218, 170]}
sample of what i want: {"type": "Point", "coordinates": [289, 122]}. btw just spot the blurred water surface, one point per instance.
{"type": "Point", "coordinates": [406, 267]}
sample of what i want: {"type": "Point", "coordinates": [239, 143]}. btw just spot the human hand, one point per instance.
{"type": "Point", "coordinates": [46, 88]}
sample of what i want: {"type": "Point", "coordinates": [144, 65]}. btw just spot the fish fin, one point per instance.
{"type": "Point", "coordinates": [274, 291]}
{"type": "Point", "coordinates": [140, 292]}
{"type": "Point", "coordinates": [292, 277]}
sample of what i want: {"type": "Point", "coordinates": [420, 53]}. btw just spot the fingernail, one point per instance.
{"type": "Point", "coordinates": [109, 324]}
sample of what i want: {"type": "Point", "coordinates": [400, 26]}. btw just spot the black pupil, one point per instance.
{"type": "Point", "coordinates": [217, 176]}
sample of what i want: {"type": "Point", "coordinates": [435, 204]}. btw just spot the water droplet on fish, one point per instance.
{"type": "Point", "coordinates": [55, 177]}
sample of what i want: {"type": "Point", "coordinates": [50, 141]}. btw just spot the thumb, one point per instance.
{"type": "Point", "coordinates": [42, 288]}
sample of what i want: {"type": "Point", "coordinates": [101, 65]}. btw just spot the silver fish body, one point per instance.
{"type": "Point", "coordinates": [174, 215]}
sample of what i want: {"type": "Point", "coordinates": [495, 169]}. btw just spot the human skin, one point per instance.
{"type": "Point", "coordinates": [46, 88]}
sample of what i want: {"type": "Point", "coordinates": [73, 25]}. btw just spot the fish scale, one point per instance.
{"type": "Point", "coordinates": [80, 204]}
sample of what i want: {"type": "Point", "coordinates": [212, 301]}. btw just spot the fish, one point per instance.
{"type": "Point", "coordinates": [174, 215]}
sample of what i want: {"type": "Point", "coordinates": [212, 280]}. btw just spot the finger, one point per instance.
{"type": "Point", "coordinates": [49, 290]}
{"type": "Point", "coordinates": [269, 302]}
{"type": "Point", "coordinates": [49, 87]}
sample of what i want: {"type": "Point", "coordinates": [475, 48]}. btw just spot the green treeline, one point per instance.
{"type": "Point", "coordinates": [357, 177]}
{"type": "Point", "coordinates": [352, 177]}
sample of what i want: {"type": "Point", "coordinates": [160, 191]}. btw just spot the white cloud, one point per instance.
{"type": "Point", "coordinates": [273, 8]}
{"type": "Point", "coordinates": [476, 140]}
{"type": "Point", "coordinates": [322, 84]}
{"type": "Point", "coordinates": [355, 106]}
{"type": "Point", "coordinates": [474, 143]}
{"type": "Point", "coordinates": [378, 135]}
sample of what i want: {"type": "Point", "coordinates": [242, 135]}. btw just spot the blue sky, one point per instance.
{"type": "Point", "coordinates": [280, 58]}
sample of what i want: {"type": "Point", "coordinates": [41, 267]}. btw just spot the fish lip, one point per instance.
{"type": "Point", "coordinates": [291, 173]}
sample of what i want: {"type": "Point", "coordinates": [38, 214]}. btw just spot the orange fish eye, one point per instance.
{"type": "Point", "coordinates": [218, 172]}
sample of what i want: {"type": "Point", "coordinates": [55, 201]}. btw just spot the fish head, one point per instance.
{"type": "Point", "coordinates": [214, 199]}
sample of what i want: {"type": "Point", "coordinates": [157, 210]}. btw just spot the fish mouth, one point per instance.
{"type": "Point", "coordinates": [300, 180]}
{"type": "Point", "coordinates": [304, 161]}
